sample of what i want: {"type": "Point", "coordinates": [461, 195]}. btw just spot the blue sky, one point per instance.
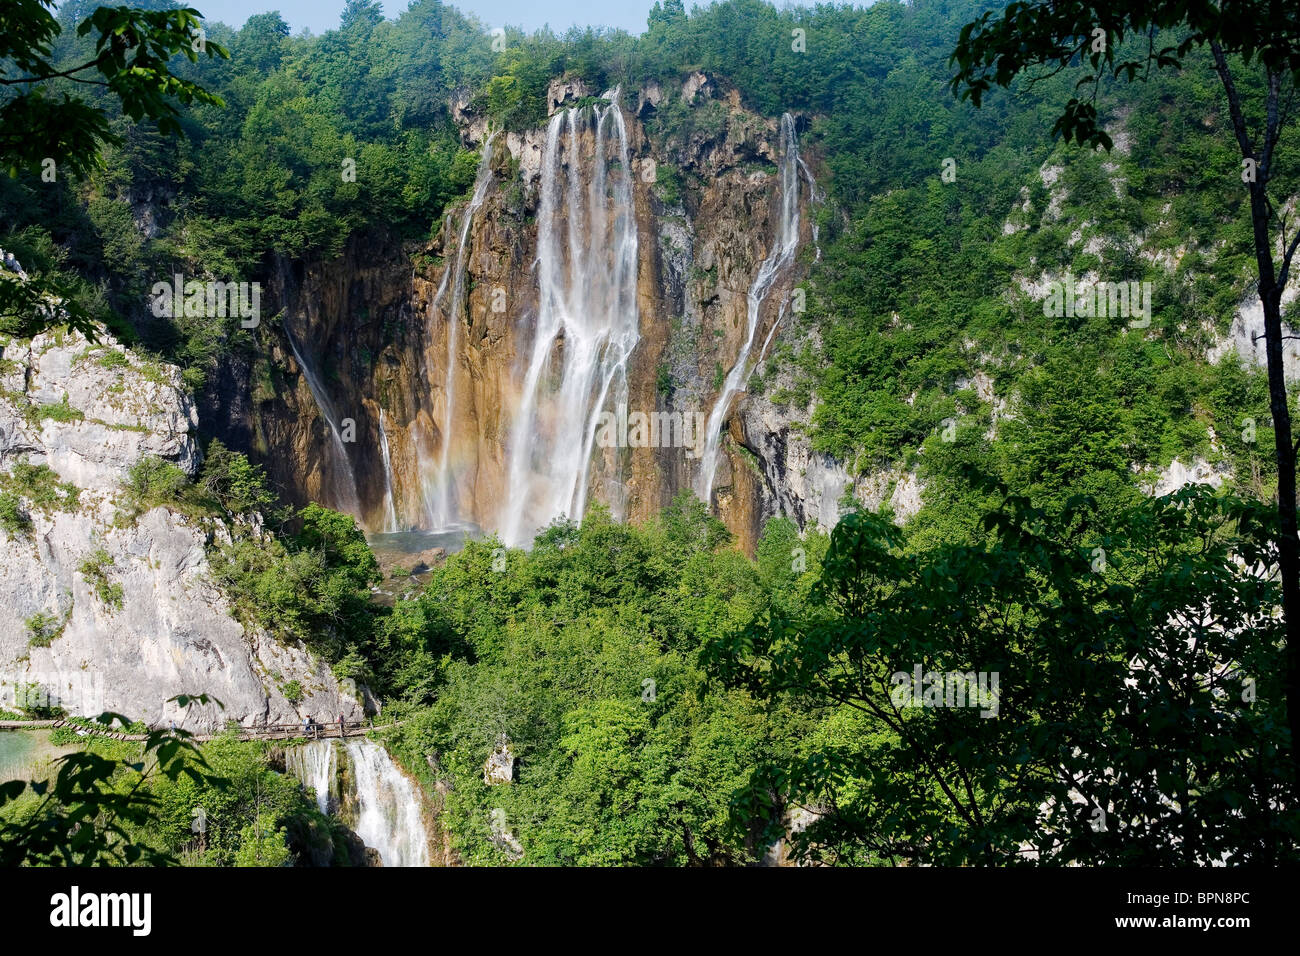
{"type": "Point", "coordinates": [321, 15]}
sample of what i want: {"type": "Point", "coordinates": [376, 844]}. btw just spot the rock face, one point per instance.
{"type": "Point", "coordinates": [375, 325]}
{"type": "Point", "coordinates": [1245, 337]}
{"type": "Point", "coordinates": [500, 765]}
{"type": "Point", "coordinates": [118, 410]}
{"type": "Point", "coordinates": [783, 475]}
{"type": "Point", "coordinates": [130, 617]}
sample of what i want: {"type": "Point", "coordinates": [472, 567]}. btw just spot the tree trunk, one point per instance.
{"type": "Point", "coordinates": [1270, 294]}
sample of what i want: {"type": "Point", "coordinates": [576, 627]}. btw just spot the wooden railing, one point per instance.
{"type": "Point", "coordinates": [316, 730]}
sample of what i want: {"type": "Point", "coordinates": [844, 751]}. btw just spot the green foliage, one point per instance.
{"type": "Point", "coordinates": [43, 122]}
{"type": "Point", "coordinates": [668, 184]}
{"type": "Point", "coordinates": [228, 486]}
{"type": "Point", "coordinates": [257, 817]}
{"type": "Point", "coordinates": [312, 586]}
{"type": "Point", "coordinates": [13, 518]}
{"type": "Point", "coordinates": [97, 805]}
{"type": "Point", "coordinates": [1140, 686]}
{"type": "Point", "coordinates": [95, 570]}
{"type": "Point", "coordinates": [152, 482]}
{"type": "Point", "coordinates": [113, 359]}
{"type": "Point", "coordinates": [292, 691]}
{"type": "Point", "coordinates": [40, 487]}
{"type": "Point", "coordinates": [43, 629]}
{"type": "Point", "coordinates": [60, 411]}
{"type": "Point", "coordinates": [262, 847]}
{"type": "Point", "coordinates": [994, 50]}
{"type": "Point", "coordinates": [581, 653]}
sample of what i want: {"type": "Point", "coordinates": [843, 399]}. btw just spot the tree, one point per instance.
{"type": "Point", "coordinates": [1265, 34]}
{"type": "Point", "coordinates": [1109, 704]}
{"type": "Point", "coordinates": [132, 53]}
{"type": "Point", "coordinates": [86, 816]}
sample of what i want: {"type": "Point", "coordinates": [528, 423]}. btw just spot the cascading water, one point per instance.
{"type": "Point", "coordinates": [346, 496]}
{"type": "Point", "coordinates": [390, 507]}
{"type": "Point", "coordinates": [587, 321]}
{"type": "Point", "coordinates": [390, 818]}
{"type": "Point", "coordinates": [778, 259]}
{"type": "Point", "coordinates": [443, 505]}
{"type": "Point", "coordinates": [315, 766]}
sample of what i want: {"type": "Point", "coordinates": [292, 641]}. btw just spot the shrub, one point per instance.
{"type": "Point", "coordinates": [313, 586]}
{"type": "Point", "coordinates": [112, 359]}
{"type": "Point", "coordinates": [39, 485]}
{"type": "Point", "coordinates": [95, 570]}
{"type": "Point", "coordinates": [61, 411]}
{"type": "Point", "coordinates": [152, 482]}
{"type": "Point", "coordinates": [237, 485]}
{"type": "Point", "coordinates": [42, 629]}
{"type": "Point", "coordinates": [12, 517]}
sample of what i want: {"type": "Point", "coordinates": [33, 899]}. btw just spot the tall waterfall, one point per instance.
{"type": "Point", "coordinates": [346, 496]}
{"type": "Point", "coordinates": [390, 817]}
{"type": "Point", "coordinates": [390, 507]}
{"type": "Point", "coordinates": [315, 766]}
{"type": "Point", "coordinates": [444, 510]}
{"type": "Point", "coordinates": [587, 321]}
{"type": "Point", "coordinates": [778, 259]}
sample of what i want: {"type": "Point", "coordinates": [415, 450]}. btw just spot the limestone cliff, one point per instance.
{"type": "Point", "coordinates": [102, 611]}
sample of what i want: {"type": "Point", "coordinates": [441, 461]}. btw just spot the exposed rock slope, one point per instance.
{"type": "Point", "coordinates": [102, 612]}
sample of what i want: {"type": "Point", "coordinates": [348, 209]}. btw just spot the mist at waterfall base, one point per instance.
{"type": "Point", "coordinates": [396, 545]}
{"type": "Point", "coordinates": [389, 813]}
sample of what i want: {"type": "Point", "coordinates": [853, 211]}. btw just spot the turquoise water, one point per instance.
{"type": "Point", "coordinates": [28, 754]}
{"type": "Point", "coordinates": [399, 544]}
{"type": "Point", "coordinates": [17, 752]}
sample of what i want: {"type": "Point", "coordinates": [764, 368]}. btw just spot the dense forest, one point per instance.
{"type": "Point", "coordinates": [671, 700]}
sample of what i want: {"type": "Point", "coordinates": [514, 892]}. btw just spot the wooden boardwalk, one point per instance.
{"type": "Point", "coordinates": [317, 731]}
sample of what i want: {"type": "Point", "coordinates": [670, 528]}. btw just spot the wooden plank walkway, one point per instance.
{"type": "Point", "coordinates": [316, 731]}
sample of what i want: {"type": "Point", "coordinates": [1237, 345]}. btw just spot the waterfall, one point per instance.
{"type": "Point", "coordinates": [444, 511]}
{"type": "Point", "coordinates": [315, 766]}
{"type": "Point", "coordinates": [587, 320]}
{"type": "Point", "coordinates": [388, 806]}
{"type": "Point", "coordinates": [390, 508]}
{"type": "Point", "coordinates": [347, 499]}
{"type": "Point", "coordinates": [778, 259]}
{"type": "Point", "coordinates": [390, 818]}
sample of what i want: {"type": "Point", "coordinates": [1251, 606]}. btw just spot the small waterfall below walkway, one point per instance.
{"type": "Point", "coordinates": [587, 320]}
{"type": "Point", "coordinates": [315, 766]}
{"type": "Point", "coordinates": [382, 805]}
{"type": "Point", "coordinates": [390, 818]}
{"type": "Point", "coordinates": [784, 245]}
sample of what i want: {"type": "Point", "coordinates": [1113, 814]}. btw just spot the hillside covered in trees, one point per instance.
{"type": "Point", "coordinates": [1075, 501]}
